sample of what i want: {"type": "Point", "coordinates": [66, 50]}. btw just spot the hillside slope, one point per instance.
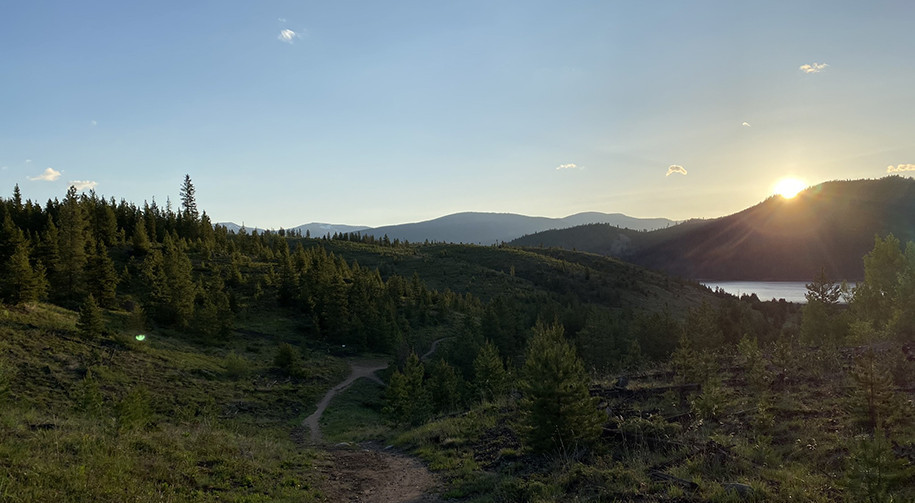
{"type": "Point", "coordinates": [491, 228]}
{"type": "Point", "coordinates": [831, 225]}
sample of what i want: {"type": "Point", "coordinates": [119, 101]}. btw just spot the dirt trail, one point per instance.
{"type": "Point", "coordinates": [363, 474]}
{"type": "Point", "coordinates": [433, 348]}
{"type": "Point", "coordinates": [372, 475]}
{"type": "Point", "coordinates": [358, 369]}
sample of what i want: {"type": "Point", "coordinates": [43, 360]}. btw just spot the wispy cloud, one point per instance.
{"type": "Point", "coordinates": [899, 168]}
{"type": "Point", "coordinates": [675, 168]}
{"type": "Point", "coordinates": [745, 124]}
{"type": "Point", "coordinates": [49, 175]}
{"type": "Point", "coordinates": [288, 36]}
{"type": "Point", "coordinates": [83, 184]}
{"type": "Point", "coordinates": [93, 123]}
{"type": "Point", "coordinates": [814, 68]}
{"type": "Point", "coordinates": [567, 166]}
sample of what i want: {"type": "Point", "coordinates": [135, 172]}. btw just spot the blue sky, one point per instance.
{"type": "Point", "coordinates": [378, 113]}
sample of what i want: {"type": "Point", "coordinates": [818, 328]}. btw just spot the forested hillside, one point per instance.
{"type": "Point", "coordinates": [831, 225]}
{"type": "Point", "coordinates": [143, 344]}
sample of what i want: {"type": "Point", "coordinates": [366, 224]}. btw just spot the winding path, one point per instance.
{"type": "Point", "coordinates": [375, 475]}
{"type": "Point", "coordinates": [434, 347]}
{"type": "Point", "coordinates": [358, 369]}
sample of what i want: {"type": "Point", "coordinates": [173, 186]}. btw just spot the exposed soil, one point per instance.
{"type": "Point", "coordinates": [369, 473]}
{"type": "Point", "coordinates": [360, 474]}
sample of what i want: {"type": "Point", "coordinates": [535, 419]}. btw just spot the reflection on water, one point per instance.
{"type": "Point", "coordinates": [791, 291]}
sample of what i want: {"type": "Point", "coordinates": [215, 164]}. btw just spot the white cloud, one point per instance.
{"type": "Point", "coordinates": [899, 168]}
{"type": "Point", "coordinates": [675, 168]}
{"type": "Point", "coordinates": [281, 19]}
{"type": "Point", "coordinates": [83, 184]}
{"type": "Point", "coordinates": [745, 124]}
{"type": "Point", "coordinates": [49, 175]}
{"type": "Point", "coordinates": [287, 35]}
{"type": "Point", "coordinates": [567, 166]}
{"type": "Point", "coordinates": [28, 161]}
{"type": "Point", "coordinates": [814, 68]}
{"type": "Point", "coordinates": [94, 123]}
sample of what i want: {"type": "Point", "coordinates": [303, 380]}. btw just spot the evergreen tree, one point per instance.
{"type": "Point", "coordinates": [490, 377]}
{"type": "Point", "coordinates": [873, 472]}
{"type": "Point", "coordinates": [408, 400]}
{"type": "Point", "coordinates": [102, 279]}
{"type": "Point", "coordinates": [20, 282]}
{"type": "Point", "coordinates": [559, 412]}
{"type": "Point", "coordinates": [875, 298]}
{"type": "Point", "coordinates": [702, 328]}
{"type": "Point", "coordinates": [48, 252]}
{"type": "Point", "coordinates": [140, 240]}
{"type": "Point", "coordinates": [71, 249]}
{"type": "Point", "coordinates": [188, 200]}
{"type": "Point", "coordinates": [444, 386]}
{"type": "Point", "coordinates": [90, 324]}
{"type": "Point", "coordinates": [874, 398]}
{"type": "Point", "coordinates": [821, 323]}
{"type": "Point", "coordinates": [10, 236]}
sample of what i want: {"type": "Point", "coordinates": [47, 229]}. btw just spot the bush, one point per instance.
{"type": "Point", "coordinates": [134, 411]}
{"type": "Point", "coordinates": [287, 359]}
{"type": "Point", "coordinates": [236, 366]}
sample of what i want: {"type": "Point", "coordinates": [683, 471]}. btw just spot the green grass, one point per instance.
{"type": "Point", "coordinates": [163, 419]}
{"type": "Point", "coordinates": [794, 443]}
{"type": "Point", "coordinates": [355, 414]}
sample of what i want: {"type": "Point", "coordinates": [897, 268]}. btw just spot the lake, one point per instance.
{"type": "Point", "coordinates": [792, 291]}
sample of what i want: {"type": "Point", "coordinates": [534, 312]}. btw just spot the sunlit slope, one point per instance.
{"type": "Point", "coordinates": [831, 225]}
{"type": "Point", "coordinates": [492, 271]}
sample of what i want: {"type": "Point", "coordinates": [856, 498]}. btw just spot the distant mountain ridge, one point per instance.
{"type": "Point", "coordinates": [831, 225]}
{"type": "Point", "coordinates": [492, 228]}
{"type": "Point", "coordinates": [477, 227]}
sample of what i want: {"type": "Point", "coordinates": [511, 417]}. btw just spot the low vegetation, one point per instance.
{"type": "Point", "coordinates": [147, 355]}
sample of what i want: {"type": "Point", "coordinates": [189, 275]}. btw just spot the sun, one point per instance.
{"type": "Point", "coordinates": [789, 187]}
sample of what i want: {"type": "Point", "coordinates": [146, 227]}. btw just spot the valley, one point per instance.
{"type": "Point", "coordinates": [204, 365]}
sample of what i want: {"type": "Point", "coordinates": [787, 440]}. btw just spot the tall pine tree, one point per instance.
{"type": "Point", "coordinates": [559, 412]}
{"type": "Point", "coordinates": [72, 260]}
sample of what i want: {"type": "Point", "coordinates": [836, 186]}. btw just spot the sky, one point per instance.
{"type": "Point", "coordinates": [376, 113]}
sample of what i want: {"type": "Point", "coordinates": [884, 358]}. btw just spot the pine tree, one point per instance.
{"type": "Point", "coordinates": [444, 386]}
{"type": "Point", "coordinates": [490, 377]}
{"type": "Point", "coordinates": [140, 240]}
{"type": "Point", "coordinates": [408, 400]}
{"type": "Point", "coordinates": [71, 249]}
{"type": "Point", "coordinates": [702, 328]}
{"type": "Point", "coordinates": [102, 279]}
{"type": "Point", "coordinates": [820, 323]}
{"type": "Point", "coordinates": [21, 283]}
{"type": "Point", "coordinates": [10, 237]}
{"type": "Point", "coordinates": [559, 412]}
{"type": "Point", "coordinates": [90, 324]}
{"type": "Point", "coordinates": [874, 398]}
{"type": "Point", "coordinates": [873, 471]}
{"type": "Point", "coordinates": [188, 200]}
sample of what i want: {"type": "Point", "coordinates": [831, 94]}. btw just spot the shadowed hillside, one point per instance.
{"type": "Point", "coordinates": [491, 228]}
{"type": "Point", "coordinates": [831, 225]}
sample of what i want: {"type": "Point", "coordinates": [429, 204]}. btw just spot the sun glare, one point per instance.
{"type": "Point", "coordinates": [789, 187]}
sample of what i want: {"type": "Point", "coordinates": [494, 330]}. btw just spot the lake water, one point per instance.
{"type": "Point", "coordinates": [792, 291]}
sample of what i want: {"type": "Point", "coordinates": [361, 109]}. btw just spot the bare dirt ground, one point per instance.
{"type": "Point", "coordinates": [369, 473]}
